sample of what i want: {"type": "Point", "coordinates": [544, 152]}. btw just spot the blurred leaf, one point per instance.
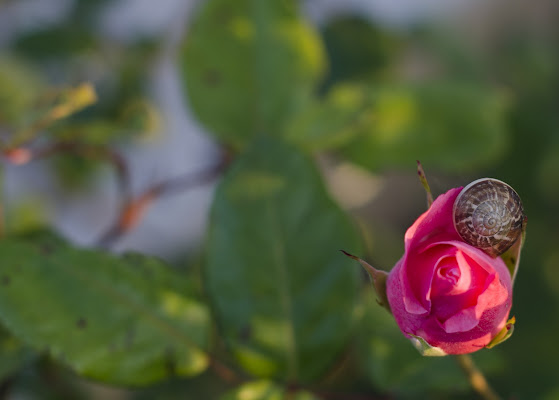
{"type": "Point", "coordinates": [247, 65]}
{"type": "Point", "coordinates": [395, 365]}
{"type": "Point", "coordinates": [13, 354]}
{"type": "Point", "coordinates": [19, 89]}
{"type": "Point", "coordinates": [56, 42]}
{"type": "Point", "coordinates": [61, 104]}
{"type": "Point", "coordinates": [446, 125]}
{"type": "Point", "coordinates": [282, 292]}
{"type": "Point", "coordinates": [93, 132]}
{"type": "Point", "coordinates": [332, 122]}
{"type": "Point", "coordinates": [140, 116]}
{"type": "Point", "coordinates": [27, 214]}
{"type": "Point", "coordinates": [120, 320]}
{"type": "Point", "coordinates": [266, 390]}
{"type": "Point", "coordinates": [358, 50]}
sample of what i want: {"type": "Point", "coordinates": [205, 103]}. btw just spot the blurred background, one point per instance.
{"type": "Point", "coordinates": [471, 88]}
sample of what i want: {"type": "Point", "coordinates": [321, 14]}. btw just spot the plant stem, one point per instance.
{"type": "Point", "coordinates": [476, 378]}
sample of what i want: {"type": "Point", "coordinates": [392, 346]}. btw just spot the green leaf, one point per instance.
{"type": "Point", "coordinates": [444, 124]}
{"type": "Point", "coordinates": [282, 292]}
{"type": "Point", "coordinates": [121, 320]}
{"type": "Point", "coordinates": [359, 50]}
{"type": "Point", "coordinates": [20, 86]}
{"type": "Point", "coordinates": [247, 65]}
{"type": "Point", "coordinates": [266, 390]}
{"type": "Point", "coordinates": [13, 354]}
{"type": "Point", "coordinates": [331, 122]}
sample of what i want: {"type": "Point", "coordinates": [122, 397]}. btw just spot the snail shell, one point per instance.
{"type": "Point", "coordinates": [488, 214]}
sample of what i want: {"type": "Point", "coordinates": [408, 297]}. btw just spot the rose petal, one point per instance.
{"type": "Point", "coordinates": [462, 321]}
{"type": "Point", "coordinates": [435, 221]}
{"type": "Point", "coordinates": [467, 319]}
{"type": "Point", "coordinates": [417, 298]}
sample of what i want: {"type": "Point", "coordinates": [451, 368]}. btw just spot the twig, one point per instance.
{"type": "Point", "coordinates": [132, 209]}
{"type": "Point", "coordinates": [476, 378]}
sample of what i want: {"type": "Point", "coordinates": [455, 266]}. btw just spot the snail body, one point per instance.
{"type": "Point", "coordinates": [488, 214]}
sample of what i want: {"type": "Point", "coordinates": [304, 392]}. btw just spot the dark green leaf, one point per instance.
{"type": "Point", "coordinates": [445, 125]}
{"type": "Point", "coordinates": [13, 354]}
{"type": "Point", "coordinates": [334, 121]}
{"type": "Point", "coordinates": [247, 65]}
{"type": "Point", "coordinates": [283, 293]}
{"type": "Point", "coordinates": [121, 320]}
{"type": "Point", "coordinates": [358, 50]}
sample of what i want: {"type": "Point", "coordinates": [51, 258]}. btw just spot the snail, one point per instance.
{"type": "Point", "coordinates": [488, 214]}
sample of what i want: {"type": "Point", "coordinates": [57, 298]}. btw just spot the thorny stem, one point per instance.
{"type": "Point", "coordinates": [476, 378]}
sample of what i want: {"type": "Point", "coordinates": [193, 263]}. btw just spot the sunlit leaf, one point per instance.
{"type": "Point", "coordinates": [20, 86]}
{"type": "Point", "coordinates": [283, 293]}
{"type": "Point", "coordinates": [247, 65]}
{"type": "Point", "coordinates": [445, 125]}
{"type": "Point", "coordinates": [334, 121]}
{"type": "Point", "coordinates": [121, 320]}
{"type": "Point", "coordinates": [266, 390]}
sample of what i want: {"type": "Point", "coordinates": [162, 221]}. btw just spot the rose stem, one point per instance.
{"type": "Point", "coordinates": [423, 180]}
{"type": "Point", "coordinates": [476, 378]}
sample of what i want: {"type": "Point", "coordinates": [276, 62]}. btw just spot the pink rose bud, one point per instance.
{"type": "Point", "coordinates": [446, 295]}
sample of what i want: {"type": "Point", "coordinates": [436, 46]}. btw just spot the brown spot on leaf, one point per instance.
{"type": "Point", "coordinates": [212, 77]}
{"type": "Point", "coordinates": [129, 337]}
{"type": "Point", "coordinates": [81, 323]}
{"type": "Point", "coordinates": [6, 280]}
{"type": "Point", "coordinates": [46, 249]}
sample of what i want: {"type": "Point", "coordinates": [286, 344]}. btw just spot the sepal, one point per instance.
{"type": "Point", "coordinates": [511, 257]}
{"type": "Point", "coordinates": [425, 348]}
{"type": "Point", "coordinates": [504, 334]}
{"type": "Point", "coordinates": [378, 277]}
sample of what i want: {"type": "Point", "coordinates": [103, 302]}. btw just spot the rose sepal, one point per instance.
{"type": "Point", "coordinates": [424, 348]}
{"type": "Point", "coordinates": [504, 334]}
{"type": "Point", "coordinates": [378, 277]}
{"type": "Point", "coordinates": [511, 257]}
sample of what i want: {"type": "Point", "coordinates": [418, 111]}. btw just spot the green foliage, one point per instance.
{"type": "Point", "coordinates": [358, 50]}
{"type": "Point", "coordinates": [394, 365]}
{"type": "Point", "coordinates": [121, 320]}
{"type": "Point", "coordinates": [440, 123]}
{"type": "Point", "coordinates": [284, 300]}
{"type": "Point", "coordinates": [329, 123]}
{"type": "Point", "coordinates": [266, 390]}
{"type": "Point", "coordinates": [247, 65]}
{"type": "Point", "coordinates": [14, 355]}
{"type": "Point", "coordinates": [19, 87]}
{"type": "Point", "coordinates": [282, 294]}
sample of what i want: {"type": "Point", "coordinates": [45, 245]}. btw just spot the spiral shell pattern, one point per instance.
{"type": "Point", "coordinates": [488, 214]}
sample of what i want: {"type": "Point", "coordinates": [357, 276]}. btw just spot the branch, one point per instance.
{"type": "Point", "coordinates": [133, 209]}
